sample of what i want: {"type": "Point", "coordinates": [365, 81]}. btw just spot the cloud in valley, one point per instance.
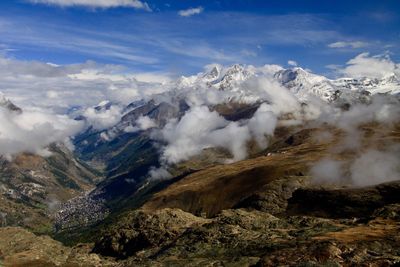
{"type": "Point", "coordinates": [375, 167]}
{"type": "Point", "coordinates": [198, 129]}
{"type": "Point", "coordinates": [366, 166]}
{"type": "Point", "coordinates": [33, 130]}
{"type": "Point", "coordinates": [327, 171]}
{"type": "Point", "coordinates": [142, 123]}
{"type": "Point", "coordinates": [263, 124]}
{"type": "Point", "coordinates": [201, 128]}
{"type": "Point", "coordinates": [103, 118]}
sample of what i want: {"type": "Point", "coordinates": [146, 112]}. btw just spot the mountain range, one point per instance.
{"type": "Point", "coordinates": [214, 165]}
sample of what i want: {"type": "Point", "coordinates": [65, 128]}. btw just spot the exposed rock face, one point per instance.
{"type": "Point", "coordinates": [389, 212]}
{"type": "Point", "coordinates": [140, 230]}
{"type": "Point", "coordinates": [274, 196]}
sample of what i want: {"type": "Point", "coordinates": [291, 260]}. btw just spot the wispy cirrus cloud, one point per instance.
{"type": "Point", "coordinates": [354, 45]}
{"type": "Point", "coordinates": [71, 39]}
{"type": "Point", "coordinates": [191, 11]}
{"type": "Point", "coordinates": [143, 43]}
{"type": "Point", "coordinates": [137, 4]}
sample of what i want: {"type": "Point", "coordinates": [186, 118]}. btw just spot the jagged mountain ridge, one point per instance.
{"type": "Point", "coordinates": [299, 81]}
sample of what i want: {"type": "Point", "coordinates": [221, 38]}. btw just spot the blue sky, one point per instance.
{"type": "Point", "coordinates": [156, 38]}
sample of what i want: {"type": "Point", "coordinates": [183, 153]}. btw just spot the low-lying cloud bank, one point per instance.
{"type": "Point", "coordinates": [369, 165]}
{"type": "Point", "coordinates": [33, 130]}
{"type": "Point", "coordinates": [374, 167]}
{"type": "Point", "coordinates": [102, 118]}
{"type": "Point", "coordinates": [61, 88]}
{"type": "Point", "coordinates": [201, 127]}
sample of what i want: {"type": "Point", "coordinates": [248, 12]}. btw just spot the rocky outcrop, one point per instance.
{"type": "Point", "coordinates": [235, 237]}
{"type": "Point", "coordinates": [239, 237]}
{"type": "Point", "coordinates": [139, 230]}
{"type": "Point", "coordinates": [275, 195]}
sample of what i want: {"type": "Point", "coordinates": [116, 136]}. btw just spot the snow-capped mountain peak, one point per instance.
{"type": "Point", "coordinates": [213, 74]}
{"type": "Point", "coordinates": [388, 84]}
{"type": "Point", "coordinates": [234, 76]}
{"type": "Point", "coordinates": [301, 82]}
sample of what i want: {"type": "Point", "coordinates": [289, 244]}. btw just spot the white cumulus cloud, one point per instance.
{"type": "Point", "coordinates": [191, 11]}
{"type": "Point", "coordinates": [142, 123]}
{"type": "Point", "coordinates": [103, 118]}
{"type": "Point", "coordinates": [365, 65]}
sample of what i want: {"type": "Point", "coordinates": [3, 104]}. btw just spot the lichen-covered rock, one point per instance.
{"type": "Point", "coordinates": [141, 230]}
{"type": "Point", "coordinates": [273, 198]}
{"type": "Point", "coordinates": [389, 212]}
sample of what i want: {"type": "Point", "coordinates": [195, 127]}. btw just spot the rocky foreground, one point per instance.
{"type": "Point", "coordinates": [305, 234]}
